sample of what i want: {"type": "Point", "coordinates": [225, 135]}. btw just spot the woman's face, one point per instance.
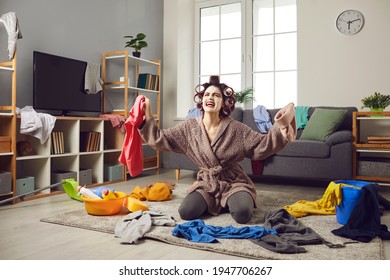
{"type": "Point", "coordinates": [212, 99]}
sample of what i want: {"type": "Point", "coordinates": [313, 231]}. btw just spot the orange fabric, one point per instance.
{"type": "Point", "coordinates": [132, 154]}
{"type": "Point", "coordinates": [156, 192]}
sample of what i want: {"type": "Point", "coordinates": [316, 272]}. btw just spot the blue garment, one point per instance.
{"type": "Point", "coordinates": [193, 113]}
{"type": "Point", "coordinates": [301, 116]}
{"type": "Point", "coordinates": [198, 231]}
{"type": "Point", "coordinates": [262, 118]}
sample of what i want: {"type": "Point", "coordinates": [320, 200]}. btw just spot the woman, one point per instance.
{"type": "Point", "coordinates": [216, 143]}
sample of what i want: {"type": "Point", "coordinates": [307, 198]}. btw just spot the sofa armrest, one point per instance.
{"type": "Point", "coordinates": [339, 137]}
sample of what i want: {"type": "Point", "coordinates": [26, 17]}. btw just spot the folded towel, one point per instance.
{"type": "Point", "coordinates": [11, 24]}
{"type": "Point", "coordinates": [93, 82]}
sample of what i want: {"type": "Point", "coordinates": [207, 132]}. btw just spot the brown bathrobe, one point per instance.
{"type": "Point", "coordinates": [220, 174]}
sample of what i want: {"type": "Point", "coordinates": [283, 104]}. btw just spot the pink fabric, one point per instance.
{"type": "Point", "coordinates": [132, 155]}
{"type": "Point", "coordinates": [116, 121]}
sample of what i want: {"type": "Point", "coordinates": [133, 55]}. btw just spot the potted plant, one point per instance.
{"type": "Point", "coordinates": [244, 96]}
{"type": "Point", "coordinates": [137, 42]}
{"type": "Point", "coordinates": [376, 102]}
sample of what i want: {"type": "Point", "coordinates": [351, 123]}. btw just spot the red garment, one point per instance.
{"type": "Point", "coordinates": [132, 155]}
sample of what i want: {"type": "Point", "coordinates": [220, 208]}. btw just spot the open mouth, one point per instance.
{"type": "Point", "coordinates": [210, 103]}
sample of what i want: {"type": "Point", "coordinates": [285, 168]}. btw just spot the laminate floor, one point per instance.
{"type": "Point", "coordinates": [24, 237]}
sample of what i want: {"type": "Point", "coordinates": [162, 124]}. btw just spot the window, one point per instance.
{"type": "Point", "coordinates": [220, 43]}
{"type": "Point", "coordinates": [250, 44]}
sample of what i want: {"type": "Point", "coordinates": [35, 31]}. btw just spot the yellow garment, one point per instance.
{"type": "Point", "coordinates": [323, 206]}
{"type": "Point", "coordinates": [156, 192]}
{"type": "Point", "coordinates": [134, 204]}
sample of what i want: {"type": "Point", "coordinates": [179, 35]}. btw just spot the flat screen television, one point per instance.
{"type": "Point", "coordinates": [59, 85]}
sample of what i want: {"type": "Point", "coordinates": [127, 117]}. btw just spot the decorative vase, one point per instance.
{"type": "Point", "coordinates": [377, 110]}
{"type": "Point", "coordinates": [137, 54]}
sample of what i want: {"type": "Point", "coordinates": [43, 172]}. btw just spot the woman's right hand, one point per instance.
{"type": "Point", "coordinates": [147, 110]}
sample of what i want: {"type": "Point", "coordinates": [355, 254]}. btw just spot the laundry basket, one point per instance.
{"type": "Point", "coordinates": [351, 193]}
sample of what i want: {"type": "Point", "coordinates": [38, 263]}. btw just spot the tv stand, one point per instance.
{"type": "Point", "coordinates": [64, 113]}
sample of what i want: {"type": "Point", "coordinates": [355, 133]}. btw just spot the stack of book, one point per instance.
{"type": "Point", "coordinates": [57, 142]}
{"type": "Point", "coordinates": [148, 81]}
{"type": "Point", "coordinates": [89, 141]}
{"type": "Point", "coordinates": [378, 139]}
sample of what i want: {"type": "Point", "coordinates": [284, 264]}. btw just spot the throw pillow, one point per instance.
{"type": "Point", "coordinates": [322, 123]}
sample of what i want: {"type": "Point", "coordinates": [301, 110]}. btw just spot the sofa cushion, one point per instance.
{"type": "Point", "coordinates": [306, 148]}
{"type": "Point", "coordinates": [322, 123]}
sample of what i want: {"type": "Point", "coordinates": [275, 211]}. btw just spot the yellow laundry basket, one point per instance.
{"type": "Point", "coordinates": [105, 207]}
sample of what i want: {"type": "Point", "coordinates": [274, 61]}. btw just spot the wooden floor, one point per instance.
{"type": "Point", "coordinates": [23, 236]}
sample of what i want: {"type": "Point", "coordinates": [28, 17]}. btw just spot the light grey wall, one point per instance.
{"type": "Point", "coordinates": [79, 29]}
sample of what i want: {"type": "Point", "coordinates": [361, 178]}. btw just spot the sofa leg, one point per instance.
{"type": "Point", "coordinates": [177, 175]}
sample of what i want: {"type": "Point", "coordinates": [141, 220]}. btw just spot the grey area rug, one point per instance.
{"type": "Point", "coordinates": [266, 201]}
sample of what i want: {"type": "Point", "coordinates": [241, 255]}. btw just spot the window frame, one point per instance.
{"type": "Point", "coordinates": [247, 64]}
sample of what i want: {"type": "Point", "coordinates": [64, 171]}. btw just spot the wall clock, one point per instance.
{"type": "Point", "coordinates": [350, 22]}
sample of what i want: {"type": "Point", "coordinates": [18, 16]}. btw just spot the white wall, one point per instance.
{"type": "Point", "coordinates": [178, 67]}
{"type": "Point", "coordinates": [333, 69]}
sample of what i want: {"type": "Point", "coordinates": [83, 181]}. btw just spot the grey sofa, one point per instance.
{"type": "Point", "coordinates": [302, 159]}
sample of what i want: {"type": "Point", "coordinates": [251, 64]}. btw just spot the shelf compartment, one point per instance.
{"type": "Point", "coordinates": [95, 163]}
{"type": "Point", "coordinates": [37, 168]}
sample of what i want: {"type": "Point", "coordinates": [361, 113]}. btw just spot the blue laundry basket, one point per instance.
{"type": "Point", "coordinates": [350, 197]}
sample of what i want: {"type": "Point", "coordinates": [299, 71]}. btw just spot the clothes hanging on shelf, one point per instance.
{"type": "Point", "coordinates": [93, 82]}
{"type": "Point", "coordinates": [11, 24]}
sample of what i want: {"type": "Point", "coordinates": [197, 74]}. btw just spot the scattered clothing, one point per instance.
{"type": "Point", "coordinates": [159, 191]}
{"type": "Point", "coordinates": [302, 116]}
{"type": "Point", "coordinates": [198, 231]}
{"type": "Point", "coordinates": [364, 222]}
{"type": "Point", "coordinates": [135, 225]}
{"type": "Point", "coordinates": [193, 113]}
{"type": "Point", "coordinates": [93, 84]}
{"type": "Point", "coordinates": [39, 125]}
{"type": "Point", "coordinates": [323, 206]}
{"type": "Point", "coordinates": [257, 167]}
{"type": "Point", "coordinates": [116, 121]}
{"type": "Point", "coordinates": [291, 234]}
{"type": "Point", "coordinates": [132, 155]}
{"type": "Point", "coordinates": [262, 118]}
{"type": "Point", "coordinates": [263, 121]}
{"type": "Point", "coordinates": [11, 24]}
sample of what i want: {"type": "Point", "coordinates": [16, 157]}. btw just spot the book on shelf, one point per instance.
{"type": "Point", "coordinates": [89, 141]}
{"type": "Point", "coordinates": [57, 142]}
{"type": "Point", "coordinates": [148, 81]}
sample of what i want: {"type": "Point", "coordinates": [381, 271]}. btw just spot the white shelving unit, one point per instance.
{"type": "Point", "coordinates": [42, 163]}
{"type": "Point", "coordinates": [119, 64]}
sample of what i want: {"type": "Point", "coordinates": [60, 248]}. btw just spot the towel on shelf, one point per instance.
{"type": "Point", "coordinates": [11, 24]}
{"type": "Point", "coordinates": [93, 82]}
{"type": "Point", "coordinates": [39, 125]}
